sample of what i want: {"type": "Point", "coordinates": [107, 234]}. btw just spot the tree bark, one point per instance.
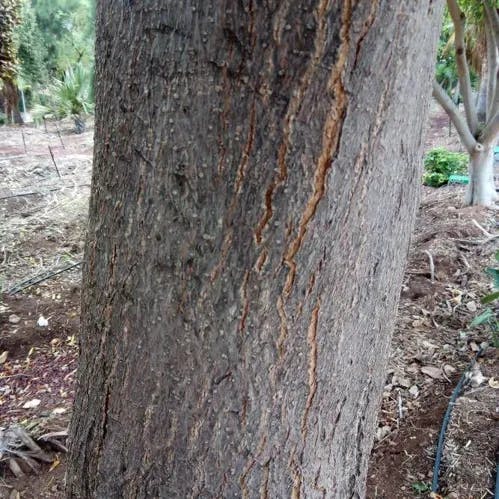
{"type": "Point", "coordinates": [481, 101]}
{"type": "Point", "coordinates": [257, 170]}
{"type": "Point", "coordinates": [11, 101]}
{"type": "Point", "coordinates": [481, 187]}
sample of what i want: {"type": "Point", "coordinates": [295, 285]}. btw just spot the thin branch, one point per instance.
{"type": "Point", "coordinates": [493, 17]}
{"type": "Point", "coordinates": [451, 109]}
{"type": "Point", "coordinates": [492, 45]}
{"type": "Point", "coordinates": [462, 66]}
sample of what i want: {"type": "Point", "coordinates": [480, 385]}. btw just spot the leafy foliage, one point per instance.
{"type": "Point", "coordinates": [30, 50]}
{"type": "Point", "coordinates": [440, 164]}
{"type": "Point", "coordinates": [446, 67]}
{"type": "Point", "coordinates": [67, 29]}
{"type": "Point", "coordinates": [9, 18]}
{"type": "Point", "coordinates": [69, 96]}
{"type": "Point", "coordinates": [47, 49]}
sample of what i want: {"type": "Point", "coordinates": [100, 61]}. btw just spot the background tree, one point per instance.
{"type": "Point", "coordinates": [478, 136]}
{"type": "Point", "coordinates": [67, 28]}
{"type": "Point", "coordinates": [51, 54]}
{"type": "Point", "coordinates": [31, 53]}
{"type": "Point", "coordinates": [9, 17]}
{"type": "Point", "coordinates": [255, 184]}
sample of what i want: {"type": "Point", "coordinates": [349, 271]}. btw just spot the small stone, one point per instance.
{"type": "Point", "coordinates": [31, 404]}
{"type": "Point", "coordinates": [404, 382]}
{"type": "Point", "coordinates": [471, 306]}
{"type": "Point", "coordinates": [14, 319]}
{"type": "Point", "coordinates": [474, 347]}
{"type": "Point", "coordinates": [429, 345]}
{"type": "Point", "coordinates": [414, 391]}
{"type": "Point", "coordinates": [432, 372]}
{"type": "Point", "coordinates": [382, 432]}
{"type": "Point", "coordinates": [42, 322]}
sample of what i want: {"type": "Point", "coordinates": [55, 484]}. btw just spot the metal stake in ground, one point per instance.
{"type": "Point", "coordinates": [24, 141]}
{"type": "Point", "coordinates": [53, 160]}
{"type": "Point", "coordinates": [59, 134]}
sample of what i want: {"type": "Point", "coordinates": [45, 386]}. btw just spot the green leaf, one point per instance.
{"type": "Point", "coordinates": [490, 298]}
{"type": "Point", "coordinates": [421, 487]}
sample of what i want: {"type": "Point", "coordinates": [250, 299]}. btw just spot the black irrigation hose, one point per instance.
{"type": "Point", "coordinates": [445, 423]}
{"type": "Point", "coordinates": [496, 495]}
{"type": "Point", "coordinates": [40, 278]}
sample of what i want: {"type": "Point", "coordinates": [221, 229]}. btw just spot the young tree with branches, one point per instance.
{"type": "Point", "coordinates": [478, 134]}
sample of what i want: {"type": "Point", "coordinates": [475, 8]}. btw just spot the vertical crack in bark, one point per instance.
{"type": "Point", "coordinates": [283, 328]}
{"type": "Point", "coordinates": [312, 367]}
{"type": "Point", "coordinates": [316, 485]}
{"type": "Point", "coordinates": [249, 466]}
{"type": "Point", "coordinates": [241, 171]}
{"type": "Point", "coordinates": [245, 301]}
{"type": "Point", "coordinates": [293, 109]}
{"type": "Point", "coordinates": [367, 26]}
{"type": "Point", "coordinates": [225, 250]}
{"type": "Point", "coordinates": [264, 488]}
{"type": "Point", "coordinates": [330, 142]}
{"type": "Point", "coordinates": [296, 475]}
{"type": "Point", "coordinates": [276, 182]}
{"type": "Point", "coordinates": [262, 258]}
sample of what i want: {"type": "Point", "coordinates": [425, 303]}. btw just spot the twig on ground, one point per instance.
{"type": "Point", "coordinates": [400, 408]}
{"type": "Point", "coordinates": [486, 233]}
{"type": "Point", "coordinates": [432, 266]}
{"type": "Point", "coordinates": [465, 261]}
{"type": "Point", "coordinates": [477, 242]}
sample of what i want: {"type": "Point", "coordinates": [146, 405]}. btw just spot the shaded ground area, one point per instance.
{"type": "Point", "coordinates": [432, 346]}
{"type": "Point", "coordinates": [43, 212]}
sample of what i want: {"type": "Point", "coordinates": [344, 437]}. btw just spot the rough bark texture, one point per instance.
{"type": "Point", "coordinates": [10, 98]}
{"type": "Point", "coordinates": [257, 169]}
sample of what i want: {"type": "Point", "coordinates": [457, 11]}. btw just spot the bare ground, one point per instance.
{"type": "Point", "coordinates": [42, 228]}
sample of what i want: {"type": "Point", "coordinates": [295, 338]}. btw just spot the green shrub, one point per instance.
{"type": "Point", "coordinates": [71, 96]}
{"type": "Point", "coordinates": [435, 179]}
{"type": "Point", "coordinates": [440, 163]}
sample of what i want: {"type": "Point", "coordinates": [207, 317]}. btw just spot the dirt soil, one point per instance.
{"type": "Point", "coordinates": [43, 212]}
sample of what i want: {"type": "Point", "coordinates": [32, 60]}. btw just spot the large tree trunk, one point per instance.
{"type": "Point", "coordinates": [481, 187]}
{"type": "Point", "coordinates": [11, 101]}
{"type": "Point", "coordinates": [257, 169]}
